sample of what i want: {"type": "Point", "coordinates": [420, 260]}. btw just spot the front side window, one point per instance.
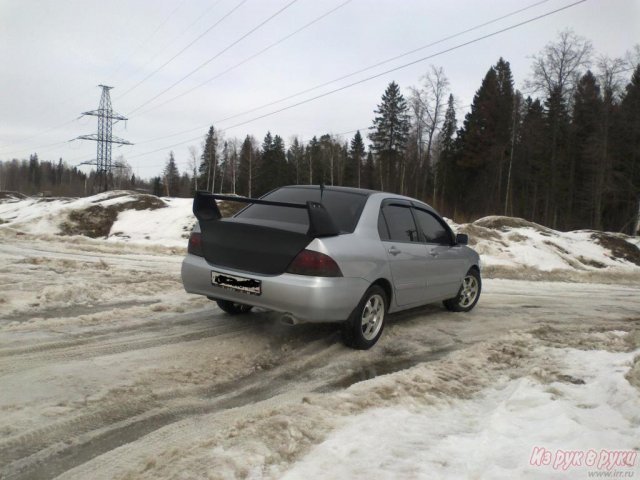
{"type": "Point", "coordinates": [432, 230]}
{"type": "Point", "coordinates": [399, 219]}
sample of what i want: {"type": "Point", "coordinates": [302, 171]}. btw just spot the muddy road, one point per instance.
{"type": "Point", "coordinates": [107, 366]}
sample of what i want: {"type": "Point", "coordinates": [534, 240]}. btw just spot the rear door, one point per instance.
{"type": "Point", "coordinates": [407, 256]}
{"type": "Point", "coordinates": [445, 265]}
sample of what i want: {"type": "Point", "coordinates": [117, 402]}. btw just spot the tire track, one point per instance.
{"type": "Point", "coordinates": [43, 453]}
{"type": "Point", "coordinates": [68, 350]}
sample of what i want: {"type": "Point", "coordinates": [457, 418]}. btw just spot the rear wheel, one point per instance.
{"type": "Point", "coordinates": [468, 295]}
{"type": "Point", "coordinates": [364, 327]}
{"type": "Point", "coordinates": [233, 308]}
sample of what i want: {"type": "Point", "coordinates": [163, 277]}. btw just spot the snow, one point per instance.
{"type": "Point", "coordinates": [503, 242]}
{"type": "Point", "coordinates": [99, 341]}
{"type": "Point", "coordinates": [494, 434]}
{"type": "Point", "coordinates": [168, 226]}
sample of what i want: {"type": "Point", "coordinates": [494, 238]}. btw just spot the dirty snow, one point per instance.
{"type": "Point", "coordinates": [504, 243]}
{"type": "Point", "coordinates": [493, 435]}
{"type": "Point", "coordinates": [165, 226]}
{"type": "Point", "coordinates": [110, 370]}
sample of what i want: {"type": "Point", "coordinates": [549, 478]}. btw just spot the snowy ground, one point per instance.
{"type": "Point", "coordinates": [109, 370]}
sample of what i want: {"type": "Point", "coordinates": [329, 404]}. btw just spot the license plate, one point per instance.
{"type": "Point", "coordinates": [239, 284]}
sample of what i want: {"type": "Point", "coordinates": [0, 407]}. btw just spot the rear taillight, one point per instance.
{"type": "Point", "coordinates": [195, 244]}
{"type": "Point", "coordinates": [315, 264]}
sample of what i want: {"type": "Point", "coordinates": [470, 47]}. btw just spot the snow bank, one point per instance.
{"type": "Point", "coordinates": [166, 226]}
{"type": "Point", "coordinates": [508, 246]}
{"type": "Point", "coordinates": [591, 407]}
{"type": "Point", "coordinates": [139, 218]}
{"type": "Point", "coordinates": [517, 244]}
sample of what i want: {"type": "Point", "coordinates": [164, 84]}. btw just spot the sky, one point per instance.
{"type": "Point", "coordinates": [178, 66]}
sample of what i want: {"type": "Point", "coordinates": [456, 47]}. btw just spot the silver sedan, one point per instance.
{"type": "Point", "coordinates": [329, 254]}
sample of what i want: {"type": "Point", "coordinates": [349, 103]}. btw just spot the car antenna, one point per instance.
{"type": "Point", "coordinates": [321, 191]}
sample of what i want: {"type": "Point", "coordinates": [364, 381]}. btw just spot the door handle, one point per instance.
{"type": "Point", "coordinates": [394, 251]}
{"type": "Point", "coordinates": [434, 254]}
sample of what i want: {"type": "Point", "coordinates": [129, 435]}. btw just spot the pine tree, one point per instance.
{"type": "Point", "coordinates": [529, 169]}
{"type": "Point", "coordinates": [295, 159]}
{"type": "Point", "coordinates": [272, 171]}
{"type": "Point", "coordinates": [157, 189]}
{"type": "Point", "coordinates": [209, 161]}
{"type": "Point", "coordinates": [628, 152]}
{"type": "Point", "coordinates": [246, 165]}
{"type": "Point", "coordinates": [557, 132]}
{"type": "Point", "coordinates": [444, 170]}
{"type": "Point", "coordinates": [585, 140]}
{"type": "Point", "coordinates": [353, 164]}
{"type": "Point", "coordinates": [369, 177]}
{"type": "Point", "coordinates": [484, 142]}
{"type": "Point", "coordinates": [171, 177]}
{"type": "Point", "coordinates": [390, 134]}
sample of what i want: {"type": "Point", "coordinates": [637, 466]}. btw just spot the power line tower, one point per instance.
{"type": "Point", "coordinates": [104, 139]}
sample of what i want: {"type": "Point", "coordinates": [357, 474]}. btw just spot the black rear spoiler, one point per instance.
{"type": "Point", "coordinates": [205, 208]}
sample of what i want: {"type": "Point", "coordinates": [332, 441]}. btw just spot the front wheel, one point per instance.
{"type": "Point", "coordinates": [364, 327]}
{"type": "Point", "coordinates": [468, 295]}
{"type": "Point", "coordinates": [233, 308]}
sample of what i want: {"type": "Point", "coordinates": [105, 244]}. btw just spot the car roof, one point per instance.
{"type": "Point", "coordinates": [366, 192]}
{"type": "Point", "coordinates": [360, 191]}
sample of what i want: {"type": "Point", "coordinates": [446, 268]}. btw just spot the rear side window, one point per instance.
{"type": "Point", "coordinates": [343, 207]}
{"type": "Point", "coordinates": [432, 230]}
{"type": "Point", "coordinates": [399, 219]}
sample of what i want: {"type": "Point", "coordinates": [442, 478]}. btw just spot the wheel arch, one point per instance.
{"type": "Point", "coordinates": [388, 289]}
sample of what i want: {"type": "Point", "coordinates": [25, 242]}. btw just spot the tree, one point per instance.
{"type": "Point", "coordinates": [445, 168]}
{"type": "Point", "coordinates": [627, 169]}
{"type": "Point", "coordinates": [431, 100]}
{"type": "Point", "coordinates": [529, 176]}
{"type": "Point", "coordinates": [273, 165]}
{"type": "Point", "coordinates": [171, 177]}
{"type": "Point", "coordinates": [389, 136]}
{"type": "Point", "coordinates": [193, 166]}
{"type": "Point", "coordinates": [295, 158]}
{"type": "Point", "coordinates": [555, 72]}
{"type": "Point", "coordinates": [557, 68]}
{"type": "Point", "coordinates": [369, 173]}
{"type": "Point", "coordinates": [484, 141]}
{"type": "Point", "coordinates": [156, 183]}
{"type": "Point", "coordinates": [246, 164]}
{"type": "Point", "coordinates": [353, 165]}
{"type": "Point", "coordinates": [209, 160]}
{"type": "Point", "coordinates": [585, 152]}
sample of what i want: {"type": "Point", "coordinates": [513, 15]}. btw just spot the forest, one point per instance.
{"type": "Point", "coordinates": [564, 152]}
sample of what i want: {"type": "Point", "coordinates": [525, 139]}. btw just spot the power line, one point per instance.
{"type": "Point", "coordinates": [372, 77]}
{"type": "Point", "coordinates": [183, 49]}
{"type": "Point", "coordinates": [388, 60]}
{"type": "Point", "coordinates": [42, 132]}
{"type": "Point", "coordinates": [316, 87]}
{"type": "Point", "coordinates": [312, 88]}
{"type": "Point", "coordinates": [149, 37]}
{"type": "Point", "coordinates": [166, 44]}
{"type": "Point", "coordinates": [400, 67]}
{"type": "Point", "coordinates": [268, 47]}
{"type": "Point", "coordinates": [199, 67]}
{"type": "Point", "coordinates": [75, 95]}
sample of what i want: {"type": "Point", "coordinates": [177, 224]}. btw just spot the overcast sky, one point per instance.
{"type": "Point", "coordinates": [54, 53]}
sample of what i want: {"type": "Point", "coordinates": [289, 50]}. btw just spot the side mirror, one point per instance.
{"type": "Point", "coordinates": [462, 239]}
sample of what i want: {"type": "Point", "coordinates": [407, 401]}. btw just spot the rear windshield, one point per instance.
{"type": "Point", "coordinates": [343, 207]}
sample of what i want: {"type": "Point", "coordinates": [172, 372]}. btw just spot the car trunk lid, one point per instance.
{"type": "Point", "coordinates": [255, 246]}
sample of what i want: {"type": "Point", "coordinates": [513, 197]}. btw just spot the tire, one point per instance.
{"type": "Point", "coordinates": [366, 323]}
{"type": "Point", "coordinates": [468, 295]}
{"type": "Point", "coordinates": [233, 308]}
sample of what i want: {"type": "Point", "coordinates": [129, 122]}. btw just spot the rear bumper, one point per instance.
{"type": "Point", "coordinates": [307, 299]}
